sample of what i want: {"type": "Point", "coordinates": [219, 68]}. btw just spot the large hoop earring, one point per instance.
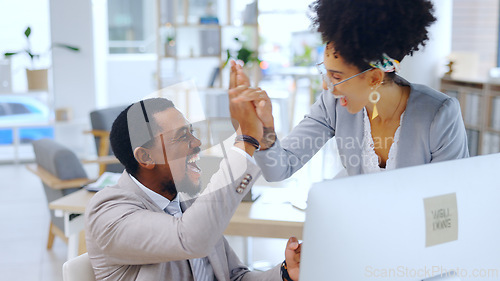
{"type": "Point", "coordinates": [374, 97]}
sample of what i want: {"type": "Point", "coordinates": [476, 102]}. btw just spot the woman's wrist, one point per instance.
{"type": "Point", "coordinates": [268, 138]}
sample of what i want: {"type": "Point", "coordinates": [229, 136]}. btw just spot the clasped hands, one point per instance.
{"type": "Point", "coordinates": [251, 108]}
{"type": "Point", "coordinates": [251, 112]}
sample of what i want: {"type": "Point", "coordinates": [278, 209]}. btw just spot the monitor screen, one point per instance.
{"type": "Point", "coordinates": [432, 222]}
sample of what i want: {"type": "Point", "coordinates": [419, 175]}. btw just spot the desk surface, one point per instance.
{"type": "Point", "coordinates": [262, 218]}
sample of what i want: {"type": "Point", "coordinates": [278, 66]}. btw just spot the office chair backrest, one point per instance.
{"type": "Point", "coordinates": [60, 162]}
{"type": "Point", "coordinates": [78, 269]}
{"type": "Point", "coordinates": [102, 119]}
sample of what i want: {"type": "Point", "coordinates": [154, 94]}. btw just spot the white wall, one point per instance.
{"type": "Point", "coordinates": [427, 65]}
{"type": "Point", "coordinates": [74, 83]}
{"type": "Point", "coordinates": [100, 23]}
{"type": "Point", "coordinates": [130, 78]}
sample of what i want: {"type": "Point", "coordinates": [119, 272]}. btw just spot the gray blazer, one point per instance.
{"type": "Point", "coordinates": [130, 238]}
{"type": "Point", "coordinates": [432, 131]}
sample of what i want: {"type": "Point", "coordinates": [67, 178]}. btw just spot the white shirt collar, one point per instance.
{"type": "Point", "coordinates": [158, 199]}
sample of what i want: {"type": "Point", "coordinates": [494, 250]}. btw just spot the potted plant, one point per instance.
{"type": "Point", "coordinates": [170, 46]}
{"type": "Point", "coordinates": [249, 58]}
{"type": "Point", "coordinates": [37, 78]}
{"type": "Point", "coordinates": [244, 54]}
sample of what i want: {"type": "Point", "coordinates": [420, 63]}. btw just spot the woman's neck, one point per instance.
{"type": "Point", "coordinates": [392, 102]}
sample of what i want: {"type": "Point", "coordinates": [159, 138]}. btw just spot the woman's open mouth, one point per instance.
{"type": "Point", "coordinates": [343, 101]}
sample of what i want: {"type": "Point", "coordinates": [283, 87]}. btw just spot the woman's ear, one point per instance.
{"type": "Point", "coordinates": [144, 158]}
{"type": "Point", "coordinates": [376, 77]}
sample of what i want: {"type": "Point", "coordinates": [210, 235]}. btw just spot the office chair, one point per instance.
{"type": "Point", "coordinates": [61, 173]}
{"type": "Point", "coordinates": [78, 269]}
{"type": "Point", "coordinates": [102, 120]}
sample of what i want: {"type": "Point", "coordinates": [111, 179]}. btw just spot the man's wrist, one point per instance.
{"type": "Point", "coordinates": [248, 139]}
{"type": "Point", "coordinates": [284, 272]}
{"type": "Point", "coordinates": [248, 148]}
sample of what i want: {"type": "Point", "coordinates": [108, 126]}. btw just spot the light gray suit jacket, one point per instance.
{"type": "Point", "coordinates": [432, 131]}
{"type": "Point", "coordinates": [130, 238]}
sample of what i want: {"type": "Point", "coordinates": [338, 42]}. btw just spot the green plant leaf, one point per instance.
{"type": "Point", "coordinates": [69, 47]}
{"type": "Point", "coordinates": [27, 32]}
{"type": "Point", "coordinates": [244, 54]}
{"type": "Point", "coordinates": [9, 54]}
{"type": "Point", "coordinates": [227, 59]}
{"type": "Point", "coordinates": [73, 48]}
{"type": "Point", "coordinates": [31, 55]}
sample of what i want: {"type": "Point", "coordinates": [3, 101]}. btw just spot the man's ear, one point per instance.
{"type": "Point", "coordinates": [143, 156]}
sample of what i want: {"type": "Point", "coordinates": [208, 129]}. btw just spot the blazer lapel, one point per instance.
{"type": "Point", "coordinates": [125, 182]}
{"type": "Point", "coordinates": [185, 201]}
{"type": "Point", "coordinates": [217, 255]}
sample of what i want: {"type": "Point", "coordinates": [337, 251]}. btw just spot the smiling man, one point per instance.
{"type": "Point", "coordinates": [153, 225]}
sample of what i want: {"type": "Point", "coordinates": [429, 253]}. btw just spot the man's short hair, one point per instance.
{"type": "Point", "coordinates": [135, 127]}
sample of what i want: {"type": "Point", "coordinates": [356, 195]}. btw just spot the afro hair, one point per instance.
{"type": "Point", "coordinates": [363, 30]}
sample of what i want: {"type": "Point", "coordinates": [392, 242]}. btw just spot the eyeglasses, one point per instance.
{"type": "Point", "coordinates": [329, 84]}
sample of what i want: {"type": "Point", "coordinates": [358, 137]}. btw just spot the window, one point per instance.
{"type": "Point", "coordinates": [2, 109]}
{"type": "Point", "coordinates": [18, 108]}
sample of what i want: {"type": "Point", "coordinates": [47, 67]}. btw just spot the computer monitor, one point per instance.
{"type": "Point", "coordinates": [439, 221]}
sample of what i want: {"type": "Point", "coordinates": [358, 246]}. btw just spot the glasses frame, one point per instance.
{"type": "Point", "coordinates": [329, 84]}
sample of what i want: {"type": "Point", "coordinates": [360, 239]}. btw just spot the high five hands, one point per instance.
{"type": "Point", "coordinates": [241, 95]}
{"type": "Point", "coordinates": [243, 114]}
{"type": "Point", "coordinates": [251, 108]}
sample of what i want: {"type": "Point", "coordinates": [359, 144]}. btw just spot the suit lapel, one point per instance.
{"type": "Point", "coordinates": [218, 263]}
{"type": "Point", "coordinates": [185, 201]}
{"type": "Point", "coordinates": [125, 182]}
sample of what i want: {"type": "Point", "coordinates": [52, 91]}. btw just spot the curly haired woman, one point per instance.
{"type": "Point", "coordinates": [380, 120]}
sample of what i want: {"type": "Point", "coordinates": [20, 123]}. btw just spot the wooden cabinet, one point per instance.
{"type": "Point", "coordinates": [480, 104]}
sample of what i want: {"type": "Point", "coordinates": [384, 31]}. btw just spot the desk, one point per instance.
{"type": "Point", "coordinates": [262, 218]}
{"type": "Point", "coordinates": [67, 207]}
